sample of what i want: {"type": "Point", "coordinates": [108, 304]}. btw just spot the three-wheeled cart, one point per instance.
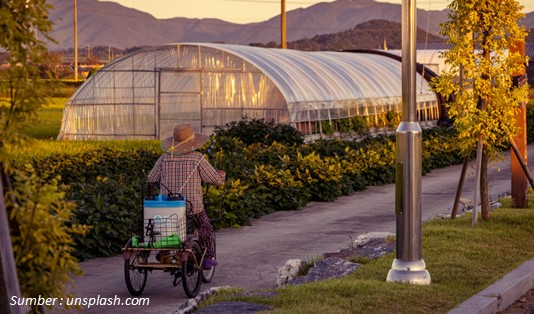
{"type": "Point", "coordinates": [169, 243]}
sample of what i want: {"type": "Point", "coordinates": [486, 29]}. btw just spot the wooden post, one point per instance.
{"type": "Point", "coordinates": [480, 151]}
{"type": "Point", "coordinates": [459, 188]}
{"type": "Point", "coordinates": [519, 178]}
{"type": "Point", "coordinates": [523, 164]}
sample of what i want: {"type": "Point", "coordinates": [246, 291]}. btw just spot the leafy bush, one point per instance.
{"type": "Point", "coordinates": [328, 127]}
{"type": "Point", "coordinates": [42, 241]}
{"type": "Point", "coordinates": [439, 149]}
{"type": "Point", "coordinates": [112, 206]}
{"type": "Point", "coordinates": [322, 177]}
{"type": "Point", "coordinates": [251, 131]}
{"type": "Point", "coordinates": [360, 125]}
{"type": "Point", "coordinates": [231, 205]}
{"type": "Point", "coordinates": [106, 185]}
{"type": "Point", "coordinates": [280, 189]}
{"type": "Point", "coordinates": [263, 175]}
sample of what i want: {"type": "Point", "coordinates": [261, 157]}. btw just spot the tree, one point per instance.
{"type": "Point", "coordinates": [38, 215]}
{"type": "Point", "coordinates": [480, 33]}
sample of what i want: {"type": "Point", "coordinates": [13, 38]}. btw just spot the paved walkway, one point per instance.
{"type": "Point", "coordinates": [250, 256]}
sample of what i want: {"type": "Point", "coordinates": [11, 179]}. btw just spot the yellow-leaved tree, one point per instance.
{"type": "Point", "coordinates": [480, 33]}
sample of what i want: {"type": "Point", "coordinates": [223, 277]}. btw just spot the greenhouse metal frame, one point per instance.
{"type": "Point", "coordinates": [145, 94]}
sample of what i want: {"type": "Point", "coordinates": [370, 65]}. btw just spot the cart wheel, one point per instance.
{"type": "Point", "coordinates": [207, 274]}
{"type": "Point", "coordinates": [135, 277]}
{"type": "Point", "coordinates": [191, 270]}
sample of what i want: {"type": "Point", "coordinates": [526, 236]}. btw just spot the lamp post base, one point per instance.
{"type": "Point", "coordinates": [413, 272]}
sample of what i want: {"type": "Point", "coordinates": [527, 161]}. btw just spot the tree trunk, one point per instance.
{"type": "Point", "coordinates": [484, 191]}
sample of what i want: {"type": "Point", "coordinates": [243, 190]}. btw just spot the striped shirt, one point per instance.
{"type": "Point", "coordinates": [184, 174]}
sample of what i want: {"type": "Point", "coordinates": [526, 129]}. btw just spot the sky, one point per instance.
{"type": "Point", "coordinates": [248, 11]}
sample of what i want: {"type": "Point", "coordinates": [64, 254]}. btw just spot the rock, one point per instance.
{"type": "Point", "coordinates": [466, 204]}
{"type": "Point", "coordinates": [372, 245]}
{"type": "Point", "coordinates": [364, 239]}
{"type": "Point", "coordinates": [287, 272]}
{"type": "Point", "coordinates": [327, 268]}
{"type": "Point", "coordinates": [234, 308]}
{"type": "Point", "coordinates": [495, 205]}
{"type": "Point", "coordinates": [334, 265]}
{"type": "Point", "coordinates": [192, 304]}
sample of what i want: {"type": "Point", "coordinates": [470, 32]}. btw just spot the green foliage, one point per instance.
{"type": "Point", "coordinates": [279, 188]}
{"type": "Point", "coordinates": [345, 125]}
{"type": "Point", "coordinates": [482, 65]}
{"type": "Point", "coordinates": [222, 153]}
{"type": "Point", "coordinates": [459, 269]}
{"type": "Point", "coordinates": [440, 149]}
{"type": "Point", "coordinates": [328, 127]}
{"type": "Point", "coordinates": [322, 176]}
{"type": "Point", "coordinates": [112, 206]}
{"type": "Point", "coordinates": [40, 218]}
{"type": "Point", "coordinates": [43, 244]}
{"type": "Point", "coordinates": [480, 33]}
{"type": "Point", "coordinates": [251, 131]}
{"type": "Point", "coordinates": [105, 178]}
{"type": "Point", "coordinates": [360, 125]}
{"type": "Point", "coordinates": [19, 82]}
{"type": "Point", "coordinates": [231, 205]}
{"type": "Point", "coordinates": [49, 121]}
{"type": "Point", "coordinates": [106, 184]}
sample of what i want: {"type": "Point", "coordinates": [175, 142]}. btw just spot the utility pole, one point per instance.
{"type": "Point", "coordinates": [75, 41]}
{"type": "Point", "coordinates": [408, 266]}
{"type": "Point", "coordinates": [283, 25]}
{"type": "Point", "coordinates": [519, 177]}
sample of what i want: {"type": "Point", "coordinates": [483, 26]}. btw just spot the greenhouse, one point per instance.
{"type": "Point", "coordinates": [143, 95]}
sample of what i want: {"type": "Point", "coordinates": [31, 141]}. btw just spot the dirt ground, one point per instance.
{"type": "Point", "coordinates": [525, 305]}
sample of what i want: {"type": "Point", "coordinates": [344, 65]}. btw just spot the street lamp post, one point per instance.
{"type": "Point", "coordinates": [408, 266]}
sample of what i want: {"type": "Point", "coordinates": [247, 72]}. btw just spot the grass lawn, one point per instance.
{"type": "Point", "coordinates": [48, 121]}
{"type": "Point", "coordinates": [461, 261]}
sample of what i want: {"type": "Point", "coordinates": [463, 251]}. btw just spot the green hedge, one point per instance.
{"type": "Point", "coordinates": [106, 179]}
{"type": "Point", "coordinates": [106, 185]}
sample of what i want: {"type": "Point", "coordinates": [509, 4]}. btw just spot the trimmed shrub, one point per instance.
{"type": "Point", "coordinates": [263, 175]}
{"type": "Point", "coordinates": [252, 131]}
{"type": "Point", "coordinates": [106, 185]}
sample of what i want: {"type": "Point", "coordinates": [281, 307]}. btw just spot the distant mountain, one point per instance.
{"type": "Point", "coordinates": [375, 34]}
{"type": "Point", "coordinates": [110, 24]}
{"type": "Point", "coordinates": [103, 23]}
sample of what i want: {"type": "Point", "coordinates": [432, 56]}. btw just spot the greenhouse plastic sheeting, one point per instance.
{"type": "Point", "coordinates": [143, 95]}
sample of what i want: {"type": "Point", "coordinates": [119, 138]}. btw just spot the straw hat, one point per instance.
{"type": "Point", "coordinates": [183, 140]}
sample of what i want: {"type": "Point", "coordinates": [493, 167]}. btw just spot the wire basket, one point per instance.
{"type": "Point", "coordinates": [165, 231]}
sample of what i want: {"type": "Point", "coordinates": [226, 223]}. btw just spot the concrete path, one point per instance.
{"type": "Point", "coordinates": [250, 256]}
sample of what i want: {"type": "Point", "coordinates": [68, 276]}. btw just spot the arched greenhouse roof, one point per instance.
{"type": "Point", "coordinates": [144, 94]}
{"type": "Point", "coordinates": [322, 76]}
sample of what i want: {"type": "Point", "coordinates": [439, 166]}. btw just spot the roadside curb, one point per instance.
{"type": "Point", "coordinates": [503, 293]}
